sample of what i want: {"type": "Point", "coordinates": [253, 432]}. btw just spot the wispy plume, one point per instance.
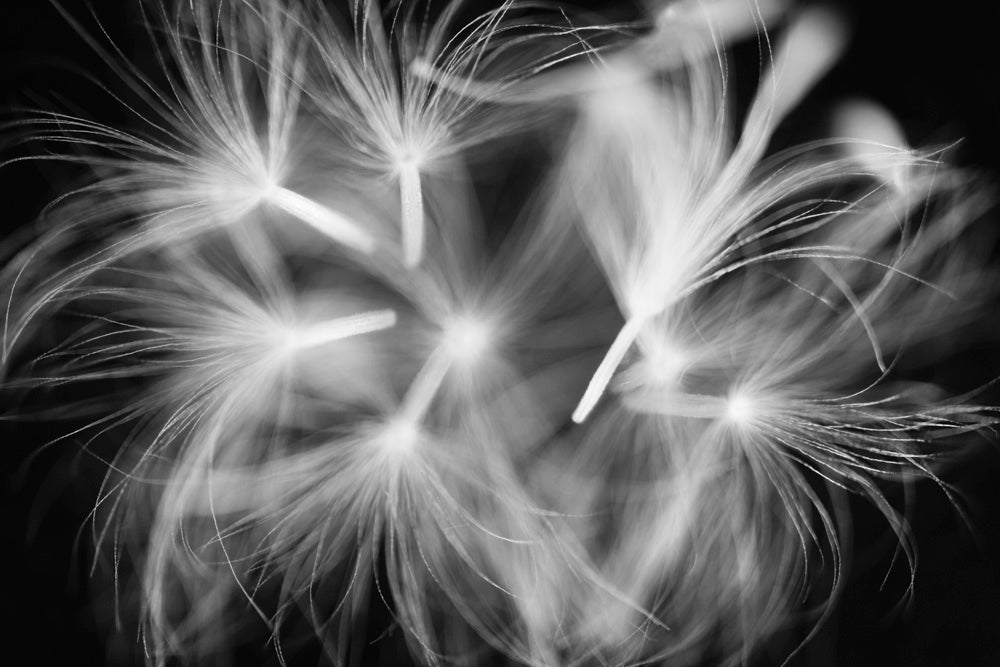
{"type": "Point", "coordinates": [615, 422]}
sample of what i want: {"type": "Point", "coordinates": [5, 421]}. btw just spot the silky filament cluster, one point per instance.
{"type": "Point", "coordinates": [617, 426]}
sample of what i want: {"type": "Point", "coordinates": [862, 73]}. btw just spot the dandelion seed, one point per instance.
{"type": "Point", "coordinates": [602, 376]}
{"type": "Point", "coordinates": [411, 197]}
{"type": "Point", "coordinates": [324, 220]}
{"type": "Point", "coordinates": [321, 333]}
{"type": "Point", "coordinates": [463, 342]}
{"type": "Point", "coordinates": [681, 212]}
{"type": "Point", "coordinates": [399, 91]}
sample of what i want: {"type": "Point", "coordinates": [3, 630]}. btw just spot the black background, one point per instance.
{"type": "Point", "coordinates": [932, 63]}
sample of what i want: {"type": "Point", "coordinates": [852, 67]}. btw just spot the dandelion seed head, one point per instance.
{"type": "Point", "coordinates": [294, 433]}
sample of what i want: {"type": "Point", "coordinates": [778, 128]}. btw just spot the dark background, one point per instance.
{"type": "Point", "coordinates": [932, 63]}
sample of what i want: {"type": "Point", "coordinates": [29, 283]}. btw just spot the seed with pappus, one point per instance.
{"type": "Point", "coordinates": [490, 334]}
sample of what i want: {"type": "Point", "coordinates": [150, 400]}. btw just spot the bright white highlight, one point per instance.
{"type": "Point", "coordinates": [399, 437]}
{"type": "Point", "coordinates": [321, 218]}
{"type": "Point", "coordinates": [466, 339]}
{"type": "Point", "coordinates": [412, 202]}
{"type": "Point", "coordinates": [740, 408]}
